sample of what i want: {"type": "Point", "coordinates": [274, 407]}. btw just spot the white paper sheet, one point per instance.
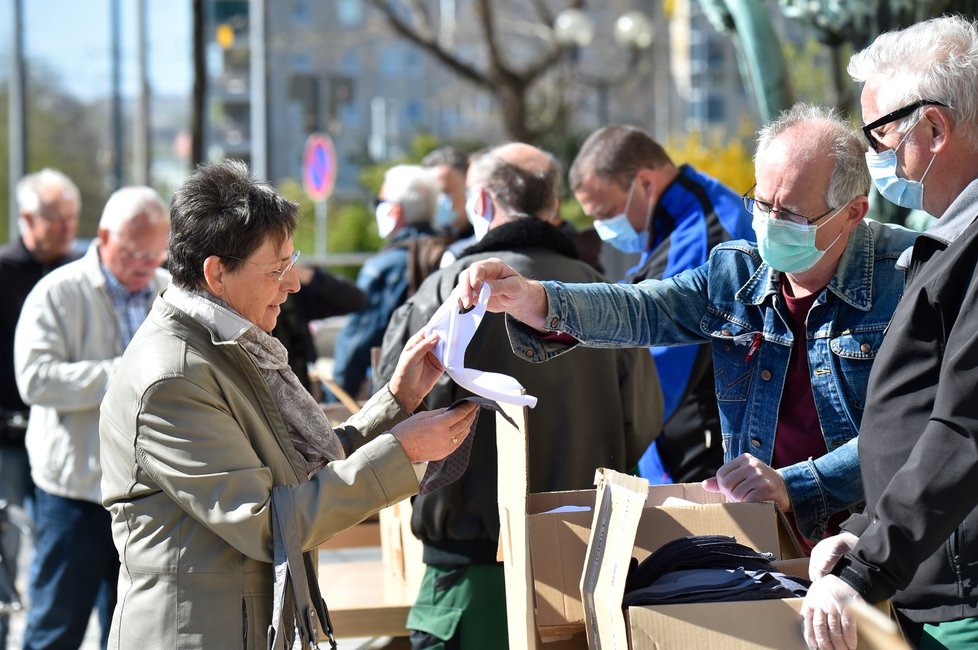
{"type": "Point", "coordinates": [454, 331]}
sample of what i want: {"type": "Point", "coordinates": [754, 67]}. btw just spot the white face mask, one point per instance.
{"type": "Point", "coordinates": [480, 222]}
{"type": "Point", "coordinates": [385, 221]}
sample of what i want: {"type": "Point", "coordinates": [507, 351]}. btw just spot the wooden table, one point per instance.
{"type": "Point", "coordinates": [363, 599]}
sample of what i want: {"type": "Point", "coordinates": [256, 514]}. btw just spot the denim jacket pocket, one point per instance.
{"type": "Point", "coordinates": [735, 348]}
{"type": "Point", "coordinates": [853, 354]}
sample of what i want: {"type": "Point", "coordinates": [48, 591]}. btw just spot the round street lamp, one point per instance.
{"type": "Point", "coordinates": [633, 31]}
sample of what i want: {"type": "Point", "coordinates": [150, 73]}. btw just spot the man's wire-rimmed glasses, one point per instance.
{"type": "Point", "coordinates": [784, 214]}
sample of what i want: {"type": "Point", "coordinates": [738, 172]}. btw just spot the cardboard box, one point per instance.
{"type": "Point", "coordinates": [401, 551]}
{"type": "Point", "coordinates": [543, 552]}
{"type": "Point", "coordinates": [753, 625]}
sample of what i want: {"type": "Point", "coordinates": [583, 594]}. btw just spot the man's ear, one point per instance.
{"type": "Point", "coordinates": [214, 272]}
{"type": "Point", "coordinates": [103, 236]}
{"type": "Point", "coordinates": [397, 213]}
{"type": "Point", "coordinates": [857, 210]}
{"type": "Point", "coordinates": [939, 127]}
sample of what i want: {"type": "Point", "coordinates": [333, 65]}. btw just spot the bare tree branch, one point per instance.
{"type": "Point", "coordinates": [456, 64]}
{"type": "Point", "coordinates": [421, 18]}
{"type": "Point", "coordinates": [497, 67]}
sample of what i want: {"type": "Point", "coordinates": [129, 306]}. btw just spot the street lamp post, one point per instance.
{"type": "Point", "coordinates": [633, 31]}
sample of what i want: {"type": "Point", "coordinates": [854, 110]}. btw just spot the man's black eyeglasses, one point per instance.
{"type": "Point", "coordinates": [893, 117]}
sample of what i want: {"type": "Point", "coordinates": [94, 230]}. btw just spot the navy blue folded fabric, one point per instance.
{"type": "Point", "coordinates": [707, 568]}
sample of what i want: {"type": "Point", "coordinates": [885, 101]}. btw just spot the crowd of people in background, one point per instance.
{"type": "Point", "coordinates": [160, 426]}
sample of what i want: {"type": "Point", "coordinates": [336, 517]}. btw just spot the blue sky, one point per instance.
{"type": "Point", "coordinates": [71, 37]}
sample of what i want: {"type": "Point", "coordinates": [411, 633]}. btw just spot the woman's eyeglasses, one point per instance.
{"type": "Point", "coordinates": [279, 273]}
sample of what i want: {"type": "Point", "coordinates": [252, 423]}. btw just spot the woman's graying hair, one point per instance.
{"type": "Point", "coordinates": [221, 210]}
{"type": "Point", "coordinates": [823, 131]}
{"type": "Point", "coordinates": [933, 60]}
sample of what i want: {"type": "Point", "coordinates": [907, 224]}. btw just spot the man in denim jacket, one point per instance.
{"type": "Point", "coordinates": [821, 282]}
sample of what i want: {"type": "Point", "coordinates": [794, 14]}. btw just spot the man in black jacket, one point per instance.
{"type": "Point", "coordinates": [49, 205]}
{"type": "Point", "coordinates": [917, 541]}
{"type": "Point", "coordinates": [597, 408]}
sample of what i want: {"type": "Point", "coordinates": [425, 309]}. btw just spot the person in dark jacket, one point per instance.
{"type": "Point", "coordinates": [49, 203]}
{"type": "Point", "coordinates": [673, 216]}
{"type": "Point", "coordinates": [917, 541]}
{"type": "Point", "coordinates": [322, 295]}
{"type": "Point", "coordinates": [404, 211]}
{"type": "Point", "coordinates": [597, 408]}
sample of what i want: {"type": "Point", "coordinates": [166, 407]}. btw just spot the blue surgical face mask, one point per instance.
{"type": "Point", "coordinates": [619, 232]}
{"type": "Point", "coordinates": [902, 191]}
{"type": "Point", "coordinates": [789, 247]}
{"type": "Point", "coordinates": [480, 222]}
{"type": "Point", "coordinates": [444, 211]}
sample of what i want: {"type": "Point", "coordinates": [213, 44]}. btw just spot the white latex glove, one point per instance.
{"type": "Point", "coordinates": [827, 552]}
{"type": "Point", "coordinates": [828, 625]}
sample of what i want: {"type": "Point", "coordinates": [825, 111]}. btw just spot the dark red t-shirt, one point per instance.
{"type": "Point", "coordinates": [799, 435]}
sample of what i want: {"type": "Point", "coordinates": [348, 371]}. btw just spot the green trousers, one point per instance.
{"type": "Point", "coordinates": [951, 635]}
{"type": "Point", "coordinates": [460, 607]}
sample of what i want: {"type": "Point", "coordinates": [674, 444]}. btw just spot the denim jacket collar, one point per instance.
{"type": "Point", "coordinates": [852, 281]}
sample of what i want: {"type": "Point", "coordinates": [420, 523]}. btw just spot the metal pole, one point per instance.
{"type": "Point", "coordinates": [258, 81]}
{"type": "Point", "coordinates": [17, 127]}
{"type": "Point", "coordinates": [141, 120]}
{"type": "Point", "coordinates": [321, 228]}
{"type": "Point", "coordinates": [116, 36]}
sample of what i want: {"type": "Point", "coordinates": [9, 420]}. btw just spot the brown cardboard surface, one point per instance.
{"type": "Point", "coordinates": [401, 551]}
{"type": "Point", "coordinates": [756, 625]}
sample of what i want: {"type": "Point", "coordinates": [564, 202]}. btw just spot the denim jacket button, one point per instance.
{"type": "Point", "coordinates": [865, 348]}
{"type": "Point", "coordinates": [725, 332]}
{"type": "Point", "coordinates": [529, 353]}
{"type": "Point", "coordinates": [755, 443]}
{"type": "Point", "coordinates": [765, 374]}
{"type": "Point", "coordinates": [553, 322]}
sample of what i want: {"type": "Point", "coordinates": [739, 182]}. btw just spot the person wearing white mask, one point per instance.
{"type": "Point", "coordinates": [795, 321]}
{"type": "Point", "coordinates": [672, 216]}
{"type": "Point", "coordinates": [915, 541]}
{"type": "Point", "coordinates": [404, 210]}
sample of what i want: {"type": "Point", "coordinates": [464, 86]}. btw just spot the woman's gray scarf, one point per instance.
{"type": "Point", "coordinates": [305, 421]}
{"type": "Point", "coordinates": [311, 433]}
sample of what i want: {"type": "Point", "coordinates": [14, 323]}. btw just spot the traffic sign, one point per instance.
{"type": "Point", "coordinates": [319, 167]}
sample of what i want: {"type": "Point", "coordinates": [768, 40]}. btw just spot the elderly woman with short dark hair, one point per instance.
{"type": "Point", "coordinates": [204, 419]}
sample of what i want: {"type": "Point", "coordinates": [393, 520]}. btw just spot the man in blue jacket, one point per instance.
{"type": "Point", "coordinates": [641, 202]}
{"type": "Point", "coordinates": [795, 320]}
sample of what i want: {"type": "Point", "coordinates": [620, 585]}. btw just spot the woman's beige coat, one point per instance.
{"type": "Point", "coordinates": [191, 445]}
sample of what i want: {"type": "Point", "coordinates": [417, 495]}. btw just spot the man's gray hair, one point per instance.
{"type": "Point", "coordinates": [824, 133]}
{"type": "Point", "coordinates": [412, 187]}
{"type": "Point", "coordinates": [128, 202]}
{"type": "Point", "coordinates": [519, 192]}
{"type": "Point", "coordinates": [29, 190]}
{"type": "Point", "coordinates": [934, 60]}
